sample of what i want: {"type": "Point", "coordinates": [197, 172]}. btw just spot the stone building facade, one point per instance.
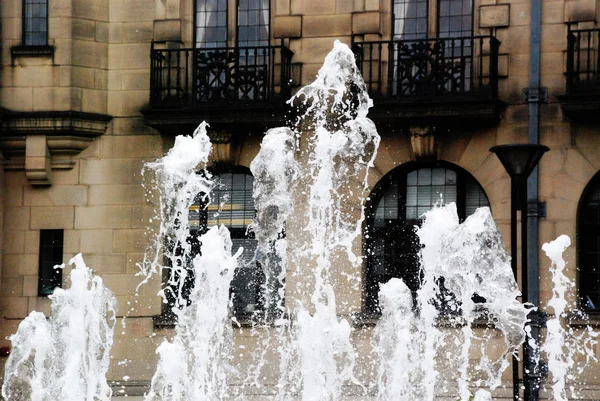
{"type": "Point", "coordinates": [90, 90]}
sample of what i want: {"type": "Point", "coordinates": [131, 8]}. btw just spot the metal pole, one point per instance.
{"type": "Point", "coordinates": [513, 264]}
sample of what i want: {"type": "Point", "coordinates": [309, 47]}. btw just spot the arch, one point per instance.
{"type": "Point", "coordinates": [588, 246]}
{"type": "Point", "coordinates": [394, 207]}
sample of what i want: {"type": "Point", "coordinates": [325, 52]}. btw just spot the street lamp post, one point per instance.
{"type": "Point", "coordinates": [519, 160]}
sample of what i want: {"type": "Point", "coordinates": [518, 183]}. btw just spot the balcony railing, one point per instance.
{"type": "Point", "coordinates": [192, 78]}
{"type": "Point", "coordinates": [400, 70]}
{"type": "Point", "coordinates": [583, 62]}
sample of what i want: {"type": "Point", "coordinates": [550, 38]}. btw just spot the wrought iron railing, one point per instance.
{"type": "Point", "coordinates": [189, 78]}
{"type": "Point", "coordinates": [583, 61]}
{"type": "Point", "coordinates": [400, 69]}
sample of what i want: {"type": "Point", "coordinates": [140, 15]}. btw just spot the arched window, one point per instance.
{"type": "Point", "coordinates": [588, 232]}
{"type": "Point", "coordinates": [395, 207]}
{"type": "Point", "coordinates": [232, 205]}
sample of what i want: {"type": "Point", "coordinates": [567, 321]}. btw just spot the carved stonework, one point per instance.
{"type": "Point", "coordinates": [422, 142]}
{"type": "Point", "coordinates": [221, 150]}
{"type": "Point", "coordinates": [39, 142]}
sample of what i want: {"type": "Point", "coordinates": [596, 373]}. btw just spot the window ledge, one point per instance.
{"type": "Point", "coordinates": [167, 322]}
{"type": "Point", "coordinates": [579, 318]}
{"type": "Point", "coordinates": [32, 51]}
{"type": "Point", "coordinates": [363, 319]}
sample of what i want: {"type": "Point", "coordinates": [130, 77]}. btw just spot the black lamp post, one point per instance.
{"type": "Point", "coordinates": [519, 160]}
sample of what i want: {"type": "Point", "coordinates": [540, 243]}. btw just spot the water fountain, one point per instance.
{"type": "Point", "coordinates": [317, 169]}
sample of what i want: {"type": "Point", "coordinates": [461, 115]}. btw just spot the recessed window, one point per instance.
{"type": "Point", "coordinates": [51, 254]}
{"type": "Point", "coordinates": [35, 22]}
{"type": "Point", "coordinates": [588, 228]}
{"type": "Point", "coordinates": [232, 205]}
{"type": "Point", "coordinates": [395, 208]}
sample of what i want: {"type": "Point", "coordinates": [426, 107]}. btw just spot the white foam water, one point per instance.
{"type": "Point", "coordinates": [66, 356]}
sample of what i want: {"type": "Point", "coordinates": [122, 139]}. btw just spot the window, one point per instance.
{"type": "Point", "coordinates": [232, 205]}
{"type": "Point", "coordinates": [252, 24]}
{"type": "Point", "coordinates": [35, 22]}
{"type": "Point", "coordinates": [395, 207]}
{"type": "Point", "coordinates": [412, 19]}
{"type": "Point", "coordinates": [51, 254]}
{"type": "Point", "coordinates": [588, 227]}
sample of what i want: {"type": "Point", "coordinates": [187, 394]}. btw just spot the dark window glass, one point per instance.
{"type": "Point", "coordinates": [396, 206]}
{"type": "Point", "coordinates": [253, 23]}
{"type": "Point", "coordinates": [35, 22]}
{"type": "Point", "coordinates": [455, 18]}
{"type": "Point", "coordinates": [589, 247]}
{"type": "Point", "coordinates": [232, 205]}
{"type": "Point", "coordinates": [51, 254]}
{"type": "Point", "coordinates": [211, 23]}
{"type": "Point", "coordinates": [410, 19]}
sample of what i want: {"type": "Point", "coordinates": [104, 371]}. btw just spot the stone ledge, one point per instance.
{"type": "Point", "coordinates": [39, 142]}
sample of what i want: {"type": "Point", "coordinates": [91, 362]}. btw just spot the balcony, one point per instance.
{"type": "Point", "coordinates": [582, 98]}
{"type": "Point", "coordinates": [441, 78]}
{"type": "Point", "coordinates": [223, 86]}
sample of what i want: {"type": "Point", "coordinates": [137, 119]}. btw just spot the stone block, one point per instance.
{"type": "Point", "coordinates": [90, 54]}
{"type": "Point", "coordinates": [102, 32]}
{"type": "Point", "coordinates": [372, 5]}
{"type": "Point", "coordinates": [20, 99]}
{"type": "Point", "coordinates": [11, 28]}
{"type": "Point", "coordinates": [318, 7]}
{"type": "Point", "coordinates": [136, 32]}
{"type": "Point", "coordinates": [96, 241]}
{"type": "Point", "coordinates": [131, 146]}
{"type": "Point", "coordinates": [16, 218]}
{"type": "Point", "coordinates": [282, 7]}
{"type": "Point", "coordinates": [127, 103]}
{"type": "Point", "coordinates": [116, 195]}
{"type": "Point", "coordinates": [554, 38]}
{"type": "Point", "coordinates": [91, 10]}
{"type": "Point", "coordinates": [14, 307]}
{"type": "Point", "coordinates": [130, 240]}
{"type": "Point", "coordinates": [326, 25]}
{"type": "Point", "coordinates": [106, 262]}
{"type": "Point", "coordinates": [580, 10]}
{"type": "Point", "coordinates": [94, 101]}
{"type": "Point", "coordinates": [295, 7]}
{"type": "Point", "coordinates": [124, 284]}
{"type": "Point", "coordinates": [14, 195]}
{"type": "Point", "coordinates": [19, 265]}
{"type": "Point", "coordinates": [288, 26]}
{"type": "Point", "coordinates": [553, 12]}
{"type": "Point", "coordinates": [144, 216]}
{"type": "Point", "coordinates": [366, 22]}
{"type": "Point", "coordinates": [314, 51]}
{"type": "Point", "coordinates": [133, 258]}
{"type": "Point", "coordinates": [345, 6]}
{"type": "Point", "coordinates": [115, 171]}
{"type": "Point", "coordinates": [15, 242]}
{"type": "Point", "coordinates": [62, 195]}
{"type": "Point", "coordinates": [115, 33]}
{"type": "Point", "coordinates": [39, 304]}
{"type": "Point", "coordinates": [30, 286]}
{"type": "Point", "coordinates": [71, 241]}
{"type": "Point", "coordinates": [98, 217]}
{"type": "Point", "coordinates": [83, 29]}
{"type": "Point", "coordinates": [50, 217]}
{"type": "Point", "coordinates": [138, 10]}
{"type": "Point", "coordinates": [494, 16]}
{"type": "Point", "coordinates": [135, 80]}
{"type": "Point", "coordinates": [12, 287]}
{"type": "Point", "coordinates": [167, 30]}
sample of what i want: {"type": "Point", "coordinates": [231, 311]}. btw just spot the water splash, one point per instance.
{"type": "Point", "coordinates": [563, 344]}
{"type": "Point", "coordinates": [458, 262]}
{"type": "Point", "coordinates": [194, 365]}
{"type": "Point", "coordinates": [67, 356]}
{"type": "Point", "coordinates": [340, 144]}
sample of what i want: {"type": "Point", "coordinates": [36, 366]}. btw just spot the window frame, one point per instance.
{"type": "Point", "coordinates": [167, 316]}
{"type": "Point", "coordinates": [24, 19]}
{"type": "Point", "coordinates": [48, 276]}
{"type": "Point", "coordinates": [370, 299]}
{"type": "Point", "coordinates": [232, 24]}
{"type": "Point", "coordinates": [593, 184]}
{"type": "Point", "coordinates": [433, 21]}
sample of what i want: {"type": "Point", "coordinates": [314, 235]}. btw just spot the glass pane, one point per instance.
{"type": "Point", "coordinates": [424, 176]}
